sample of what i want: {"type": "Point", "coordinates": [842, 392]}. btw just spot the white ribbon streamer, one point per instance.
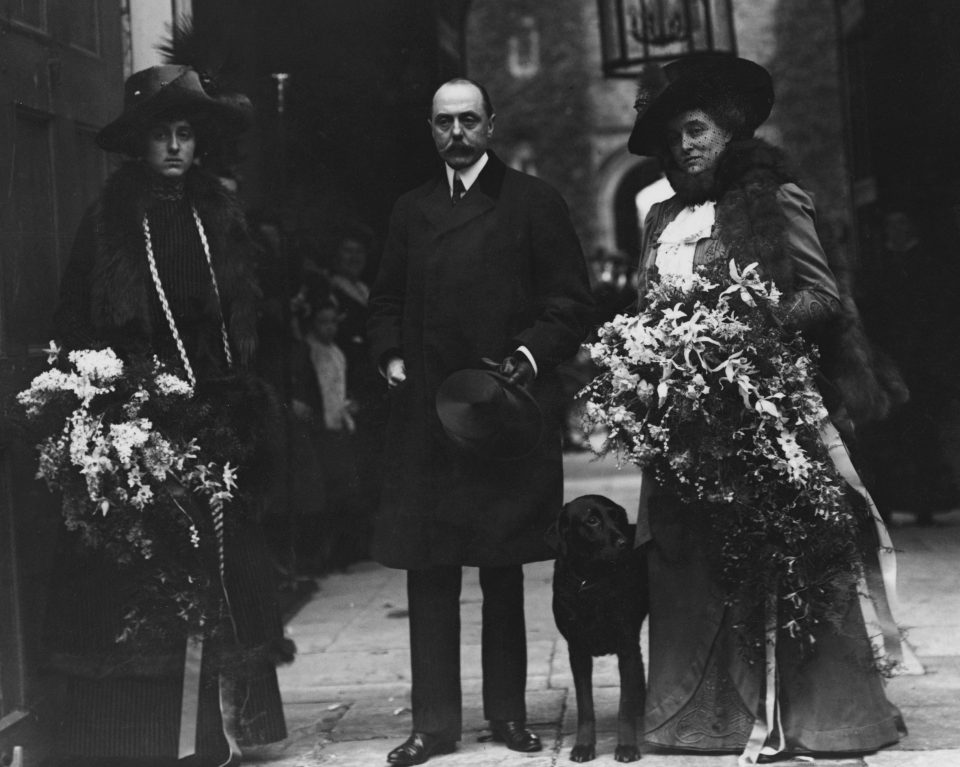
{"type": "Point", "coordinates": [767, 737]}
{"type": "Point", "coordinates": [190, 697]}
{"type": "Point", "coordinates": [228, 713]}
{"type": "Point", "coordinates": [881, 587]}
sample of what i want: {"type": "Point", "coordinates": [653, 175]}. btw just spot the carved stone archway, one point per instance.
{"type": "Point", "coordinates": [620, 177]}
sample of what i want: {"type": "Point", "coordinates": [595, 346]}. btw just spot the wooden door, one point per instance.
{"type": "Point", "coordinates": [60, 80]}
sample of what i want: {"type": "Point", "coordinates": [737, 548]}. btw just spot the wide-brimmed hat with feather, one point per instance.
{"type": "Point", "coordinates": [696, 81]}
{"type": "Point", "coordinates": [162, 92]}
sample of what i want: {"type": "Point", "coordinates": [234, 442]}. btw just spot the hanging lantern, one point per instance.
{"type": "Point", "coordinates": [636, 32]}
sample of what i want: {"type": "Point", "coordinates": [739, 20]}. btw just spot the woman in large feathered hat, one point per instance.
{"type": "Point", "coordinates": [736, 198]}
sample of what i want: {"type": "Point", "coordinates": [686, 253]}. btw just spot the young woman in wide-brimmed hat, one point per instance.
{"type": "Point", "coordinates": [736, 199]}
{"type": "Point", "coordinates": [161, 267]}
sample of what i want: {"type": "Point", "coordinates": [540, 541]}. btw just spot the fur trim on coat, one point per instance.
{"type": "Point", "coordinates": [752, 225]}
{"type": "Point", "coordinates": [120, 279]}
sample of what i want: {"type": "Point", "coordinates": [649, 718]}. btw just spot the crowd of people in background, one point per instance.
{"type": "Point", "coordinates": [315, 352]}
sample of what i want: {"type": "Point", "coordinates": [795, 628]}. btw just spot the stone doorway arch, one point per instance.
{"type": "Point", "coordinates": [621, 177]}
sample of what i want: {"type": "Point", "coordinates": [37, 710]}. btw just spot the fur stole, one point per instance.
{"type": "Point", "coordinates": [120, 278]}
{"type": "Point", "coordinates": [750, 220]}
{"type": "Point", "coordinates": [751, 225]}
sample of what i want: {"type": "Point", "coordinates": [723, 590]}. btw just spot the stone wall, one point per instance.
{"type": "Point", "coordinates": [574, 124]}
{"type": "Point", "coordinates": [531, 56]}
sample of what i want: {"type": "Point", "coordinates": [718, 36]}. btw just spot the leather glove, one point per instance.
{"type": "Point", "coordinates": [517, 370]}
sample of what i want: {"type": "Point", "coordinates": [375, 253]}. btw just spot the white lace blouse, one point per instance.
{"type": "Point", "coordinates": [678, 241]}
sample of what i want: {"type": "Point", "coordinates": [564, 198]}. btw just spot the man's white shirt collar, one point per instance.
{"type": "Point", "coordinates": [467, 175]}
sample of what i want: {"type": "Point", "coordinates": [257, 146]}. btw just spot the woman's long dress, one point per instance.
{"type": "Point", "coordinates": [123, 703]}
{"type": "Point", "coordinates": [702, 694]}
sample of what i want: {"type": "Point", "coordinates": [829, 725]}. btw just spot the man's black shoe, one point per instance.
{"type": "Point", "coordinates": [418, 748]}
{"type": "Point", "coordinates": [515, 736]}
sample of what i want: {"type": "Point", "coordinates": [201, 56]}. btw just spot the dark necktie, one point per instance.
{"type": "Point", "coordinates": [458, 189]}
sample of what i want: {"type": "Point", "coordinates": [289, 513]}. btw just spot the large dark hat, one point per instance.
{"type": "Point", "coordinates": [162, 91]}
{"type": "Point", "coordinates": [697, 79]}
{"type": "Point", "coordinates": [482, 412]}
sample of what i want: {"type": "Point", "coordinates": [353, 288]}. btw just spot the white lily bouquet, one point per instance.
{"type": "Point", "coordinates": [706, 391]}
{"type": "Point", "coordinates": [119, 445]}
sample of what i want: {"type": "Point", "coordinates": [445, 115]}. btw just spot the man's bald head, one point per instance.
{"type": "Point", "coordinates": [461, 121]}
{"type": "Point", "coordinates": [485, 97]}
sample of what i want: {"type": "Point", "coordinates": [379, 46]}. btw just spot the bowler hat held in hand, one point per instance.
{"type": "Point", "coordinates": [486, 415]}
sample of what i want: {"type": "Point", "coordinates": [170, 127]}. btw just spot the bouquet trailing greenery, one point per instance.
{"type": "Point", "coordinates": [707, 392]}
{"type": "Point", "coordinates": [134, 486]}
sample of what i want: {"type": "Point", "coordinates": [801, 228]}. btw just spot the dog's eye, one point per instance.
{"type": "Point", "coordinates": [593, 521]}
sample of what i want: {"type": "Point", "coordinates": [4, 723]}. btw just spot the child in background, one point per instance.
{"type": "Point", "coordinates": [330, 368]}
{"type": "Point", "coordinates": [325, 477]}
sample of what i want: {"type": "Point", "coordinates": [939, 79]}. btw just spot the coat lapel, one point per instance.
{"type": "Point", "coordinates": [444, 216]}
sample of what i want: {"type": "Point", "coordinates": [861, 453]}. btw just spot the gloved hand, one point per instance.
{"type": "Point", "coordinates": [395, 373]}
{"type": "Point", "coordinates": [517, 369]}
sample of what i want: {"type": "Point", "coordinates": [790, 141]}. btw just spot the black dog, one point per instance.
{"type": "Point", "coordinates": [599, 603]}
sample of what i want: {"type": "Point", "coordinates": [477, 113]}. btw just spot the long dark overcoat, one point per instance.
{"type": "Point", "coordinates": [501, 269]}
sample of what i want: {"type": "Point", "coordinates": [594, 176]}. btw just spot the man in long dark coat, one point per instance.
{"type": "Point", "coordinates": [480, 262]}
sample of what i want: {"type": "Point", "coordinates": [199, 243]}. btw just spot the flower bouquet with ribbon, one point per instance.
{"type": "Point", "coordinates": [134, 486]}
{"type": "Point", "coordinates": [707, 392]}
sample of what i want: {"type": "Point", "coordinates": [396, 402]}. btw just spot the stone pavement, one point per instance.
{"type": "Point", "coordinates": [347, 695]}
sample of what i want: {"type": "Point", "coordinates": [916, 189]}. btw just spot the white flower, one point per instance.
{"type": "Point", "coordinates": [798, 465]}
{"type": "Point", "coordinates": [593, 409]}
{"type": "Point", "coordinates": [624, 381]}
{"type": "Point", "coordinates": [676, 313]}
{"type": "Point", "coordinates": [621, 416]}
{"type": "Point", "coordinates": [598, 352]}
{"type": "Point", "coordinates": [129, 436]}
{"type": "Point", "coordinates": [100, 366]}
{"type": "Point", "coordinates": [159, 457]}
{"type": "Point", "coordinates": [143, 497]}
{"type": "Point", "coordinates": [766, 407]}
{"type": "Point", "coordinates": [169, 384]}
{"type": "Point", "coordinates": [53, 352]}
{"type": "Point", "coordinates": [43, 389]}
{"type": "Point", "coordinates": [645, 392]}
{"type": "Point", "coordinates": [229, 476]}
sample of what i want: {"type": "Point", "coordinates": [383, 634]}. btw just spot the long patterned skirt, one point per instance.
{"type": "Point", "coordinates": [704, 695]}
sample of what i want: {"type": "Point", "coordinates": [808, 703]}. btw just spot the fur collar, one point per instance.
{"type": "Point", "coordinates": [746, 182]}
{"type": "Point", "coordinates": [751, 225]}
{"type": "Point", "coordinates": [752, 162]}
{"type": "Point", "coordinates": [120, 280]}
{"type": "Point", "coordinates": [744, 185]}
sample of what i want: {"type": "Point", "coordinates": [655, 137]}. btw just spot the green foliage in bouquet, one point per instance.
{"type": "Point", "coordinates": [706, 391]}
{"type": "Point", "coordinates": [120, 444]}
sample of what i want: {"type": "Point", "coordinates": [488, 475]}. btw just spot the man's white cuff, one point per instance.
{"type": "Point", "coordinates": [526, 353]}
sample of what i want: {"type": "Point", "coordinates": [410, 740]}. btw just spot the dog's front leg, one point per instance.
{"type": "Point", "coordinates": [632, 700]}
{"type": "Point", "coordinates": [581, 664]}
